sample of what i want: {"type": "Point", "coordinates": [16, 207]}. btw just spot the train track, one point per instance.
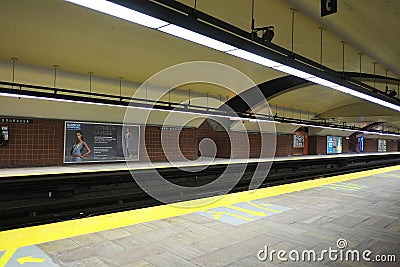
{"type": "Point", "coordinates": [33, 200]}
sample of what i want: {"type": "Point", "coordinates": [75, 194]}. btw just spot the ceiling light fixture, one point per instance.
{"type": "Point", "coordinates": [185, 112]}
{"type": "Point", "coordinates": [196, 37]}
{"type": "Point", "coordinates": [367, 97]}
{"type": "Point", "coordinates": [345, 129]}
{"type": "Point", "coordinates": [254, 58]}
{"type": "Point", "coordinates": [322, 82]}
{"type": "Point", "coordinates": [121, 12]}
{"type": "Point", "coordinates": [381, 134]}
{"type": "Point", "coordinates": [295, 72]}
{"type": "Point", "coordinates": [324, 127]}
{"type": "Point", "coordinates": [91, 102]}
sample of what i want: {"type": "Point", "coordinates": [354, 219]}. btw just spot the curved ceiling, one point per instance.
{"type": "Point", "coordinates": [279, 91]}
{"type": "Point", "coordinates": [47, 32]}
{"type": "Point", "coordinates": [369, 25]}
{"type": "Point", "coordinates": [287, 92]}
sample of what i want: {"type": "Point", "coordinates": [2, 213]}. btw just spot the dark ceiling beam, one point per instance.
{"type": "Point", "coordinates": [368, 77]}
{"type": "Point", "coordinates": [251, 98]}
{"type": "Point", "coordinates": [372, 125]}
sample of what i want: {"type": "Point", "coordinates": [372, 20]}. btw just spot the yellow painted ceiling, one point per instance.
{"type": "Point", "coordinates": [47, 32]}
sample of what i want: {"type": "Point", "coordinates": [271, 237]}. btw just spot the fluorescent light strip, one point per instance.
{"type": "Point", "coordinates": [345, 130]}
{"type": "Point", "coordinates": [151, 22]}
{"type": "Point", "coordinates": [120, 106]}
{"type": "Point", "coordinates": [324, 127]}
{"type": "Point", "coordinates": [196, 37]}
{"type": "Point", "coordinates": [352, 92]}
{"type": "Point", "coordinates": [382, 134]}
{"type": "Point", "coordinates": [294, 72]}
{"type": "Point", "coordinates": [367, 97]}
{"type": "Point", "coordinates": [254, 58]}
{"type": "Point", "coordinates": [183, 112]}
{"type": "Point", "coordinates": [121, 12]}
{"type": "Point", "coordinates": [323, 82]}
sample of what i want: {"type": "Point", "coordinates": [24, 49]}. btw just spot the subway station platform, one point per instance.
{"type": "Point", "coordinates": [71, 168]}
{"type": "Point", "coordinates": [358, 211]}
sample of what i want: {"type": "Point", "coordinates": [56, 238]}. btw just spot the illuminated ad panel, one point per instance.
{"type": "Point", "coordinates": [100, 142]}
{"type": "Point", "coordinates": [334, 145]}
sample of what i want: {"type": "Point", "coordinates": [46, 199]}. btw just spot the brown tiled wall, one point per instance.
{"type": "Point", "coordinates": [284, 145]}
{"type": "Point", "coordinates": [312, 145]}
{"type": "Point", "coordinates": [353, 145]}
{"type": "Point", "coordinates": [242, 146]}
{"type": "Point", "coordinates": [40, 143]}
{"type": "Point", "coordinates": [269, 145]}
{"type": "Point", "coordinates": [158, 149]}
{"type": "Point", "coordinates": [370, 145]}
{"type": "Point", "coordinates": [345, 145]}
{"type": "Point", "coordinates": [220, 138]}
{"type": "Point", "coordinates": [252, 145]}
{"type": "Point", "coordinates": [246, 145]}
{"type": "Point", "coordinates": [391, 146]}
{"type": "Point", "coordinates": [317, 145]}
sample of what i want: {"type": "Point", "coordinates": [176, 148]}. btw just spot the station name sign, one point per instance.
{"type": "Point", "coordinates": [167, 128]}
{"type": "Point", "coordinates": [16, 120]}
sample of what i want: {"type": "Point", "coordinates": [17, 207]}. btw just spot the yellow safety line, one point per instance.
{"type": "Point", "coordinates": [50, 232]}
{"type": "Point", "coordinates": [7, 256]}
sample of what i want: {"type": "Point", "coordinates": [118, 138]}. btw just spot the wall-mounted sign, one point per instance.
{"type": "Point", "coordinates": [328, 7]}
{"type": "Point", "coordinates": [168, 128]}
{"type": "Point", "coordinates": [100, 142]}
{"type": "Point", "coordinates": [298, 140]}
{"type": "Point", "coordinates": [361, 144]}
{"type": "Point", "coordinates": [382, 145]}
{"type": "Point", "coordinates": [4, 135]}
{"type": "Point", "coordinates": [334, 144]}
{"type": "Point", "coordinates": [16, 120]}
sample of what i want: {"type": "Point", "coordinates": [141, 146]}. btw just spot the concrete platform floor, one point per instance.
{"type": "Point", "coordinates": [364, 212]}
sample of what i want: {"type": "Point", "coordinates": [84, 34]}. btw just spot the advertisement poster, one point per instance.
{"type": "Point", "coordinates": [4, 133]}
{"type": "Point", "coordinates": [334, 144]}
{"type": "Point", "coordinates": [298, 140]}
{"type": "Point", "coordinates": [381, 145]}
{"type": "Point", "coordinates": [330, 145]}
{"type": "Point", "coordinates": [361, 144]}
{"type": "Point", "coordinates": [339, 145]}
{"type": "Point", "coordinates": [4, 136]}
{"type": "Point", "coordinates": [100, 142]}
